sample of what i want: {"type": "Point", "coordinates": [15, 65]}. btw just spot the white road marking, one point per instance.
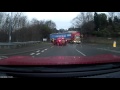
{"type": "Point", "coordinates": [23, 51]}
{"type": "Point", "coordinates": [52, 47]}
{"type": "Point", "coordinates": [2, 57]}
{"type": "Point", "coordinates": [80, 52]}
{"type": "Point", "coordinates": [32, 53]}
{"type": "Point", "coordinates": [46, 49]}
{"type": "Point", "coordinates": [42, 51]}
{"type": "Point", "coordinates": [109, 50]}
{"type": "Point", "coordinates": [37, 53]}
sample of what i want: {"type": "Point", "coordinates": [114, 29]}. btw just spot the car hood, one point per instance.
{"type": "Point", "coordinates": [60, 60]}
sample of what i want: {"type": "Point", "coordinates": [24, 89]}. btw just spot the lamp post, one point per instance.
{"type": "Point", "coordinates": [10, 30]}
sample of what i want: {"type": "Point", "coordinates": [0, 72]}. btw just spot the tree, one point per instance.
{"type": "Point", "coordinates": [1, 19]}
{"type": "Point", "coordinates": [110, 21]}
{"type": "Point", "coordinates": [96, 21]}
{"type": "Point", "coordinates": [111, 14]}
{"type": "Point", "coordinates": [116, 19]}
{"type": "Point", "coordinates": [81, 21]}
{"type": "Point", "coordinates": [102, 20]}
{"type": "Point", "coordinates": [88, 27]}
{"type": "Point", "coordinates": [50, 24]}
{"type": "Point", "coordinates": [23, 29]}
{"type": "Point", "coordinates": [89, 16]}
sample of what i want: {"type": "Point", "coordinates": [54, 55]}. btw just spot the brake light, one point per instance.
{"type": "Point", "coordinates": [59, 40]}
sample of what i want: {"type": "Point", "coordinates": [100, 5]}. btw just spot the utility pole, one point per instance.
{"type": "Point", "coordinates": [10, 30]}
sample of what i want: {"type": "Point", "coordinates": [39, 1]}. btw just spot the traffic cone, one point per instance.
{"type": "Point", "coordinates": [114, 44]}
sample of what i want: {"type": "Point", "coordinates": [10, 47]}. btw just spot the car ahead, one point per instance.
{"type": "Point", "coordinates": [60, 42]}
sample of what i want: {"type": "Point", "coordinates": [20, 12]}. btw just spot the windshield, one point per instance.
{"type": "Point", "coordinates": [59, 37]}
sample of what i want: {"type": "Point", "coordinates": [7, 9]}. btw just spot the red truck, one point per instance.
{"type": "Point", "coordinates": [60, 42]}
{"type": "Point", "coordinates": [75, 37]}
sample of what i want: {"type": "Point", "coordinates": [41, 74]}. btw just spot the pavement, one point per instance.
{"type": "Point", "coordinates": [47, 50]}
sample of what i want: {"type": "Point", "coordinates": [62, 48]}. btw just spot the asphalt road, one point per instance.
{"type": "Point", "coordinates": [68, 50]}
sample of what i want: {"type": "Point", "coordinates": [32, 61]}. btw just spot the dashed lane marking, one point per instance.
{"type": "Point", "coordinates": [46, 49]}
{"type": "Point", "coordinates": [37, 53]}
{"type": "Point", "coordinates": [42, 51]}
{"type": "Point", "coordinates": [23, 51]}
{"type": "Point", "coordinates": [51, 46]}
{"type": "Point", "coordinates": [3, 57]}
{"type": "Point", "coordinates": [32, 53]}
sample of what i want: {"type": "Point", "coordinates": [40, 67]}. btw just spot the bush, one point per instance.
{"type": "Point", "coordinates": [102, 33]}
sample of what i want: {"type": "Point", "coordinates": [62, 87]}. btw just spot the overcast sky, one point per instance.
{"type": "Point", "coordinates": [62, 19]}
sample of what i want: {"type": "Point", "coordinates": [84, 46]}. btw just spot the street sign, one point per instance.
{"type": "Point", "coordinates": [44, 39]}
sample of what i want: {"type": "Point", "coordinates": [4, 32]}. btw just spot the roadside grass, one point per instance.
{"type": "Point", "coordinates": [101, 40]}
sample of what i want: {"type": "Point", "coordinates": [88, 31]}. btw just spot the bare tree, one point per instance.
{"type": "Point", "coordinates": [118, 14]}
{"type": "Point", "coordinates": [82, 18]}
{"type": "Point", "coordinates": [16, 21]}
{"type": "Point", "coordinates": [50, 24]}
{"type": "Point", "coordinates": [6, 23]}
{"type": "Point", "coordinates": [2, 14]}
{"type": "Point", "coordinates": [89, 16]}
{"type": "Point", "coordinates": [77, 21]}
{"type": "Point", "coordinates": [111, 14]}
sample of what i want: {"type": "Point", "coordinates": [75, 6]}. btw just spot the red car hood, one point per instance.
{"type": "Point", "coordinates": [59, 60]}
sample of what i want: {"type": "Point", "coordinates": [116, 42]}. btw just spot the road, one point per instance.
{"type": "Point", "coordinates": [68, 50]}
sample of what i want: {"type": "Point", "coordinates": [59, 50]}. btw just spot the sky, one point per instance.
{"type": "Point", "coordinates": [62, 19]}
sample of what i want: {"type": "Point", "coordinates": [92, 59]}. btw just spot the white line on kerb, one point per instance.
{"type": "Point", "coordinates": [109, 50]}
{"type": "Point", "coordinates": [80, 52]}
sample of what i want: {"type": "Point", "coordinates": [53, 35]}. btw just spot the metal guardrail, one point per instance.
{"type": "Point", "coordinates": [17, 44]}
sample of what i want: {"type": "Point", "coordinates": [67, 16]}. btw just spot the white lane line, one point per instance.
{"type": "Point", "coordinates": [37, 53]}
{"type": "Point", "coordinates": [46, 49]}
{"type": "Point", "coordinates": [80, 52]}
{"type": "Point", "coordinates": [2, 57]}
{"type": "Point", "coordinates": [23, 51]}
{"type": "Point", "coordinates": [52, 47]}
{"type": "Point", "coordinates": [109, 50]}
{"type": "Point", "coordinates": [42, 51]}
{"type": "Point", "coordinates": [32, 53]}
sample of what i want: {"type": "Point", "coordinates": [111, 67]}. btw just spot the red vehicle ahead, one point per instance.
{"type": "Point", "coordinates": [60, 42]}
